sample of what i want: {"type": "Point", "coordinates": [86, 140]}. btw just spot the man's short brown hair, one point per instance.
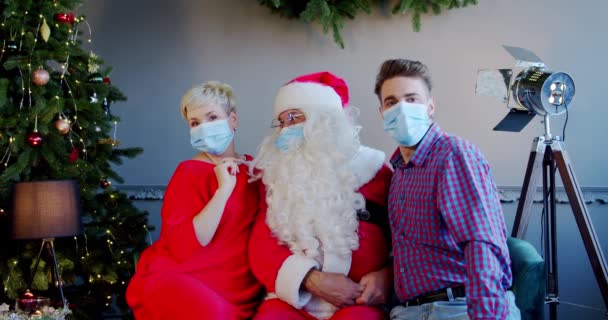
{"type": "Point", "coordinates": [402, 68]}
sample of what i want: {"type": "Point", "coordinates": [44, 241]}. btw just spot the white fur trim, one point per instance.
{"type": "Point", "coordinates": [366, 163]}
{"type": "Point", "coordinates": [320, 309]}
{"type": "Point", "coordinates": [336, 264]}
{"type": "Point", "coordinates": [306, 95]}
{"type": "Point", "coordinates": [290, 277]}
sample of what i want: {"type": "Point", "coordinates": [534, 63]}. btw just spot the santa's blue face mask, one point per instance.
{"type": "Point", "coordinates": [290, 137]}
{"type": "Point", "coordinates": [211, 137]}
{"type": "Point", "coordinates": [407, 123]}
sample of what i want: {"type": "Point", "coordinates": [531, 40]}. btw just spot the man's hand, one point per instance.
{"type": "Point", "coordinates": [334, 288]}
{"type": "Point", "coordinates": [377, 286]}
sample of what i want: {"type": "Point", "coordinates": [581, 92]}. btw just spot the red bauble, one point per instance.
{"type": "Point", "coordinates": [74, 155]}
{"type": "Point", "coordinates": [34, 139]}
{"type": "Point", "coordinates": [62, 125]}
{"type": "Point", "coordinates": [63, 17]}
{"type": "Point", "coordinates": [26, 301]}
{"type": "Point", "coordinates": [104, 183]}
{"type": "Point", "coordinates": [40, 77]}
{"type": "Point", "coordinates": [106, 80]}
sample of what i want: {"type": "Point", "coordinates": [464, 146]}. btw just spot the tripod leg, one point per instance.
{"type": "Point", "coordinates": [550, 231]}
{"type": "Point", "coordinates": [522, 216]}
{"type": "Point", "coordinates": [57, 275]}
{"type": "Point", "coordinates": [29, 285]}
{"type": "Point", "coordinates": [583, 220]}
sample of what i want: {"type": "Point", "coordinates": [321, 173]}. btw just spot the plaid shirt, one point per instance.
{"type": "Point", "coordinates": [447, 225]}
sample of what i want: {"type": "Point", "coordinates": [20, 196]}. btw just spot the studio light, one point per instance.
{"type": "Point", "coordinates": [537, 91]}
{"type": "Point", "coordinates": [534, 91]}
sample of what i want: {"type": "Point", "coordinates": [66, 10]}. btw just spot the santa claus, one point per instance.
{"type": "Point", "coordinates": [321, 240]}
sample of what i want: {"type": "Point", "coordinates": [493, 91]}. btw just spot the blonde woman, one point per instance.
{"type": "Point", "coordinates": [198, 268]}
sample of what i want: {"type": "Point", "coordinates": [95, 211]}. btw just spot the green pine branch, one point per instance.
{"type": "Point", "coordinates": [331, 14]}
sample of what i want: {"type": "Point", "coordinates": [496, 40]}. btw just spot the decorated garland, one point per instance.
{"type": "Point", "coordinates": [332, 13]}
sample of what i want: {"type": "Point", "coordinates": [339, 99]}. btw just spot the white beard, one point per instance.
{"type": "Point", "coordinates": [311, 196]}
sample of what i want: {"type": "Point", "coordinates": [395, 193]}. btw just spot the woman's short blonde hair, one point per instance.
{"type": "Point", "coordinates": [212, 92]}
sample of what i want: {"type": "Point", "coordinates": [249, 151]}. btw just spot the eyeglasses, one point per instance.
{"type": "Point", "coordinates": [288, 119]}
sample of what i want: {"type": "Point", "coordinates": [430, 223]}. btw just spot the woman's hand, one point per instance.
{"type": "Point", "coordinates": [225, 172]}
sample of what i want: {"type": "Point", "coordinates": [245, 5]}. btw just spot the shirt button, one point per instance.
{"type": "Point", "coordinates": [401, 270]}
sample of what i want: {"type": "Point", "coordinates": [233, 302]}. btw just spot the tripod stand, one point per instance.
{"type": "Point", "coordinates": [55, 276]}
{"type": "Point", "coordinates": [550, 153]}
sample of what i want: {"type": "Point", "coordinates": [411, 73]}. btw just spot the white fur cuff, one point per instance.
{"type": "Point", "coordinates": [289, 280]}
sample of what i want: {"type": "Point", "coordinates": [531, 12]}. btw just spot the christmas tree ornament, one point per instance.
{"type": "Point", "coordinates": [109, 141]}
{"type": "Point", "coordinates": [62, 125]}
{"type": "Point", "coordinates": [93, 98]}
{"type": "Point", "coordinates": [40, 77]}
{"type": "Point", "coordinates": [34, 139]}
{"type": "Point", "coordinates": [11, 45]}
{"type": "Point", "coordinates": [2, 213]}
{"type": "Point", "coordinates": [104, 183]}
{"type": "Point", "coordinates": [106, 108]}
{"type": "Point", "coordinates": [73, 155]}
{"type": "Point", "coordinates": [31, 304]}
{"type": "Point", "coordinates": [26, 301]}
{"type": "Point", "coordinates": [45, 31]}
{"type": "Point", "coordinates": [107, 81]}
{"type": "Point", "coordinates": [95, 77]}
{"type": "Point", "coordinates": [64, 17]}
{"type": "Point", "coordinates": [93, 66]}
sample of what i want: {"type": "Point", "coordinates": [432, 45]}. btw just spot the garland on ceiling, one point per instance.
{"type": "Point", "coordinates": [331, 14]}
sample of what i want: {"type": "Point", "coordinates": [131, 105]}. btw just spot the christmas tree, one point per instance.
{"type": "Point", "coordinates": [56, 124]}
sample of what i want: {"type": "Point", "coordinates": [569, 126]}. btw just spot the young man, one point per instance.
{"type": "Point", "coordinates": [320, 246]}
{"type": "Point", "coordinates": [449, 237]}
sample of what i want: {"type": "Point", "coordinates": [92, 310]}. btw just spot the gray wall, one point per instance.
{"type": "Point", "coordinates": [161, 48]}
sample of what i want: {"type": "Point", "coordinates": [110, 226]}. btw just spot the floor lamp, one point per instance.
{"type": "Point", "coordinates": [46, 210]}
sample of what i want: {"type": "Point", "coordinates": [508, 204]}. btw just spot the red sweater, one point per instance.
{"type": "Point", "coordinates": [222, 265]}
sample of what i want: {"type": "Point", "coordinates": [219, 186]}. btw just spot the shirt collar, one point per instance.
{"type": "Point", "coordinates": [423, 149]}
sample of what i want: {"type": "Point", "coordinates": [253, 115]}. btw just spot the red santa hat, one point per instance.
{"type": "Point", "coordinates": [312, 91]}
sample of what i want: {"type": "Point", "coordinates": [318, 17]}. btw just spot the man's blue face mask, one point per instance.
{"type": "Point", "coordinates": [407, 123]}
{"type": "Point", "coordinates": [290, 137]}
{"type": "Point", "coordinates": [212, 137]}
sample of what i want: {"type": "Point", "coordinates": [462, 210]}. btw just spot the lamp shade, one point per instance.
{"type": "Point", "coordinates": [45, 209]}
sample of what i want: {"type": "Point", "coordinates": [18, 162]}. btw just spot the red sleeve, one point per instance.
{"type": "Point", "coordinates": [182, 201]}
{"type": "Point", "coordinates": [376, 190]}
{"type": "Point", "coordinates": [266, 255]}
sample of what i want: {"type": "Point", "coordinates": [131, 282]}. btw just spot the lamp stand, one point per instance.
{"type": "Point", "coordinates": [55, 276]}
{"type": "Point", "coordinates": [550, 153]}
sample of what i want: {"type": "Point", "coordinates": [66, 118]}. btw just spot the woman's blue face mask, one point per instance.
{"type": "Point", "coordinates": [212, 137]}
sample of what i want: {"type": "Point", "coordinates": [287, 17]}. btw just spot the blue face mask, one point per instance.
{"type": "Point", "coordinates": [211, 137]}
{"type": "Point", "coordinates": [407, 122]}
{"type": "Point", "coordinates": [290, 137]}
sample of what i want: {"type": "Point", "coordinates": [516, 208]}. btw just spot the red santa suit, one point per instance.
{"type": "Point", "coordinates": [177, 277]}
{"type": "Point", "coordinates": [282, 272]}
